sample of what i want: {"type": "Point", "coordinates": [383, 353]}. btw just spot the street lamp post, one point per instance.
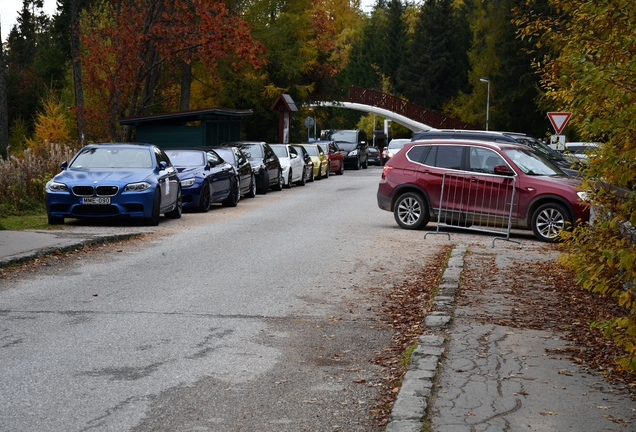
{"type": "Point", "coordinates": [487, 99]}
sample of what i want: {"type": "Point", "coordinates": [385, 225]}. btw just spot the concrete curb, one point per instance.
{"type": "Point", "coordinates": [38, 253]}
{"type": "Point", "coordinates": [409, 410]}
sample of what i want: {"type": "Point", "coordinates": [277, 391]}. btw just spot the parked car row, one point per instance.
{"type": "Point", "coordinates": [144, 181]}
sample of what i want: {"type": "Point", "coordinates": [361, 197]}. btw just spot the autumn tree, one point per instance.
{"type": "Point", "coordinates": [302, 54]}
{"type": "Point", "coordinates": [35, 62]}
{"type": "Point", "coordinates": [130, 45]}
{"type": "Point", "coordinates": [588, 70]}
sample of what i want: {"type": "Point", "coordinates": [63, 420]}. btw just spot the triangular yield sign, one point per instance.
{"type": "Point", "coordinates": [559, 120]}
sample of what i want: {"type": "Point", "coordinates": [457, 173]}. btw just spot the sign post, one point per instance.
{"type": "Point", "coordinates": [309, 122]}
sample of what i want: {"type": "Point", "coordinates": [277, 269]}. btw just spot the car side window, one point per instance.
{"type": "Point", "coordinates": [431, 156]}
{"type": "Point", "coordinates": [418, 153]}
{"type": "Point", "coordinates": [333, 148]}
{"type": "Point", "coordinates": [162, 157]}
{"type": "Point", "coordinates": [213, 159]}
{"type": "Point", "coordinates": [449, 157]}
{"type": "Point", "coordinates": [268, 152]}
{"type": "Point", "coordinates": [484, 160]}
{"type": "Point", "coordinates": [293, 151]}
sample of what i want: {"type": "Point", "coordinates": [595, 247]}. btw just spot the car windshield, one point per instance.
{"type": "Point", "coordinates": [532, 163]}
{"type": "Point", "coordinates": [344, 136]}
{"type": "Point", "coordinates": [346, 145]}
{"type": "Point", "coordinates": [397, 144]}
{"type": "Point", "coordinates": [226, 154]}
{"type": "Point", "coordinates": [181, 158]}
{"type": "Point", "coordinates": [281, 151]}
{"type": "Point", "coordinates": [112, 157]}
{"type": "Point", "coordinates": [252, 151]}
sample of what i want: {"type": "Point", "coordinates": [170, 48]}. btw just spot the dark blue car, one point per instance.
{"type": "Point", "coordinates": [112, 180]}
{"type": "Point", "coordinates": [205, 178]}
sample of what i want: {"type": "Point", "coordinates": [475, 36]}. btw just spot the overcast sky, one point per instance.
{"type": "Point", "coordinates": [9, 12]}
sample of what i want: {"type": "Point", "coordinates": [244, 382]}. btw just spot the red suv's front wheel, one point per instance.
{"type": "Point", "coordinates": [411, 211]}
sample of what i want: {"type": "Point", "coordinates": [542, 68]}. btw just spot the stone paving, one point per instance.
{"type": "Point", "coordinates": [471, 376]}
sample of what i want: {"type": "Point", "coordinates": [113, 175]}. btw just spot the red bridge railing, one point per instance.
{"type": "Point", "coordinates": [405, 108]}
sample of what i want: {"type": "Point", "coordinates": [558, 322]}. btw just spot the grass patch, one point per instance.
{"type": "Point", "coordinates": [405, 359]}
{"type": "Point", "coordinates": [33, 221]}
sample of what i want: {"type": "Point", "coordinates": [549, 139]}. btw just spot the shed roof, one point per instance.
{"type": "Point", "coordinates": [187, 116]}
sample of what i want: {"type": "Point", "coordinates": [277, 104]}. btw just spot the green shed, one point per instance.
{"type": "Point", "coordinates": [193, 128]}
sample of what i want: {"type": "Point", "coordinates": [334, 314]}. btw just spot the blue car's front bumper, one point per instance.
{"type": "Point", "coordinates": [130, 203]}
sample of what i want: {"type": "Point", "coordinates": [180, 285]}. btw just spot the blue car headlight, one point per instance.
{"type": "Point", "coordinates": [54, 186]}
{"type": "Point", "coordinates": [187, 182]}
{"type": "Point", "coordinates": [138, 187]}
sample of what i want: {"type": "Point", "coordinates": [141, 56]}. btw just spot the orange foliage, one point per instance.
{"type": "Point", "coordinates": [131, 43]}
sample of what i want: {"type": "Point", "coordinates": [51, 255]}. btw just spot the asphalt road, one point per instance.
{"type": "Point", "coordinates": [262, 317]}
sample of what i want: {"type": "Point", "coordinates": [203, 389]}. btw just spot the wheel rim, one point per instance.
{"type": "Point", "coordinates": [550, 222]}
{"type": "Point", "coordinates": [409, 211]}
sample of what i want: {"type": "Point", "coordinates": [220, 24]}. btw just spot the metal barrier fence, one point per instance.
{"type": "Point", "coordinates": [478, 202]}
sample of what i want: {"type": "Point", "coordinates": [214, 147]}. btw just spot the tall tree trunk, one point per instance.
{"type": "Point", "coordinates": [186, 82]}
{"type": "Point", "coordinates": [4, 110]}
{"type": "Point", "coordinates": [77, 73]}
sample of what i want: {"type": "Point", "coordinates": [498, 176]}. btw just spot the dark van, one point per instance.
{"type": "Point", "coordinates": [354, 147]}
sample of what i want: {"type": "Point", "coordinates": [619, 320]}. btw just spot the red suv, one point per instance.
{"type": "Point", "coordinates": [546, 200]}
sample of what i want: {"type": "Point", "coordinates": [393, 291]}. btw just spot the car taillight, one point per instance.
{"type": "Point", "coordinates": [386, 170]}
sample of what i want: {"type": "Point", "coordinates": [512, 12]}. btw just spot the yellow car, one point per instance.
{"type": "Point", "coordinates": [318, 157]}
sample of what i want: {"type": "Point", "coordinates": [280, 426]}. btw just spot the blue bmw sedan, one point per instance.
{"type": "Point", "coordinates": [113, 180]}
{"type": "Point", "coordinates": [205, 178]}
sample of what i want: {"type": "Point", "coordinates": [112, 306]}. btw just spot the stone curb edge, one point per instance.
{"type": "Point", "coordinates": [409, 409]}
{"type": "Point", "coordinates": [95, 240]}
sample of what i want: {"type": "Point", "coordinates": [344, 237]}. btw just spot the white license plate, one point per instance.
{"type": "Point", "coordinates": [96, 200]}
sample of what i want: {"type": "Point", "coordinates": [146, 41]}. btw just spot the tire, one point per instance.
{"type": "Point", "coordinates": [252, 192]}
{"type": "Point", "coordinates": [341, 170]}
{"type": "Point", "coordinates": [234, 197]}
{"type": "Point", "coordinates": [319, 173]}
{"type": "Point", "coordinates": [204, 199]}
{"type": "Point", "coordinates": [302, 180]}
{"type": "Point", "coordinates": [153, 220]}
{"type": "Point", "coordinates": [358, 164]}
{"type": "Point", "coordinates": [55, 220]}
{"type": "Point", "coordinates": [311, 176]}
{"type": "Point", "coordinates": [365, 165]}
{"type": "Point", "coordinates": [328, 171]}
{"type": "Point", "coordinates": [549, 220]}
{"type": "Point", "coordinates": [411, 211]}
{"type": "Point", "coordinates": [178, 210]}
{"type": "Point", "coordinates": [279, 184]}
{"type": "Point", "coordinates": [289, 180]}
{"type": "Point", "coordinates": [264, 186]}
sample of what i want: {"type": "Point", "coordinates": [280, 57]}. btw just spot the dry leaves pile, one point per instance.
{"type": "Point", "coordinates": [544, 296]}
{"type": "Point", "coordinates": [404, 309]}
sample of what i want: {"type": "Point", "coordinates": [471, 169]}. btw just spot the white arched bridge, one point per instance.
{"type": "Point", "coordinates": [407, 114]}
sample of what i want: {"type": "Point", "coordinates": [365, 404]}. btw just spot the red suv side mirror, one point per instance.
{"type": "Point", "coordinates": [503, 170]}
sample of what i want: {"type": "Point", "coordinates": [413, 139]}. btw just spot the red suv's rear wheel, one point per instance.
{"type": "Point", "coordinates": [411, 211]}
